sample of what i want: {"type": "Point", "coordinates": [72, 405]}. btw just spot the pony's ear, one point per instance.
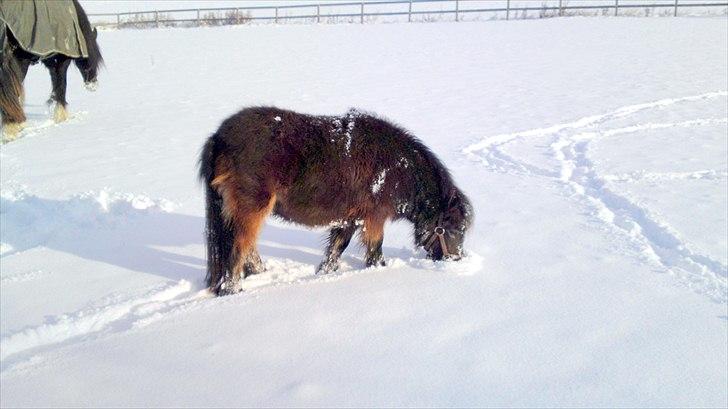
{"type": "Point", "coordinates": [452, 198]}
{"type": "Point", "coordinates": [96, 33]}
{"type": "Point", "coordinates": [459, 207]}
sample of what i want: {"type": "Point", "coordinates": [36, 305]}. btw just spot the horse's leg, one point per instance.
{"type": "Point", "coordinates": [58, 67]}
{"type": "Point", "coordinates": [247, 228]}
{"type": "Point", "coordinates": [339, 238]}
{"type": "Point", "coordinates": [253, 264]}
{"type": "Point", "coordinates": [247, 218]}
{"type": "Point", "coordinates": [11, 92]}
{"type": "Point", "coordinates": [373, 236]}
{"type": "Point", "coordinates": [23, 64]}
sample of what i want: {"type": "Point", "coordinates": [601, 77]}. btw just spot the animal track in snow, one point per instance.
{"type": "Point", "coordinates": [569, 146]}
{"type": "Point", "coordinates": [34, 127]}
{"type": "Point", "coordinates": [656, 240]}
{"type": "Point", "coordinates": [23, 277]}
{"type": "Point", "coordinates": [116, 316]}
{"type": "Point", "coordinates": [94, 320]}
{"type": "Point", "coordinates": [655, 176]}
{"type": "Point", "coordinates": [488, 150]}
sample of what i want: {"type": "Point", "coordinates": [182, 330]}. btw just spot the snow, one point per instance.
{"type": "Point", "coordinates": [379, 181]}
{"type": "Point", "coordinates": [594, 153]}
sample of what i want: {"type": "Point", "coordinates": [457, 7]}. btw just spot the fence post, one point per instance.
{"type": "Point", "coordinates": [199, 22]}
{"type": "Point", "coordinates": [616, 7]}
{"type": "Point", "coordinates": [276, 18]}
{"type": "Point", "coordinates": [156, 18]}
{"type": "Point", "coordinates": [118, 20]}
{"type": "Point", "coordinates": [675, 9]}
{"type": "Point", "coordinates": [409, 12]}
{"type": "Point", "coordinates": [362, 12]}
{"type": "Point", "coordinates": [318, 13]}
{"type": "Point", "coordinates": [508, 9]}
{"type": "Point", "coordinates": [457, 10]}
{"type": "Point", "coordinates": [561, 10]}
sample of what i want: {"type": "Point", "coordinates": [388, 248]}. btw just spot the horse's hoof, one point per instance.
{"type": "Point", "coordinates": [11, 131]}
{"type": "Point", "coordinates": [60, 113]}
{"type": "Point", "coordinates": [376, 263]}
{"type": "Point", "coordinates": [250, 269]}
{"type": "Point", "coordinates": [326, 268]}
{"type": "Point", "coordinates": [229, 288]}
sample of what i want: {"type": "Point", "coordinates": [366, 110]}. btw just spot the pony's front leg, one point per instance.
{"type": "Point", "coordinates": [58, 68]}
{"type": "Point", "coordinates": [373, 237]}
{"type": "Point", "coordinates": [339, 238]}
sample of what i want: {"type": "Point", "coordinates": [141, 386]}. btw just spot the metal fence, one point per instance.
{"type": "Point", "coordinates": [363, 11]}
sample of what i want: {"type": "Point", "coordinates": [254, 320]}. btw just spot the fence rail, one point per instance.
{"type": "Point", "coordinates": [241, 15]}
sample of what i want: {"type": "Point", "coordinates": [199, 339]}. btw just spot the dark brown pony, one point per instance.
{"type": "Point", "coordinates": [14, 64]}
{"type": "Point", "coordinates": [346, 172]}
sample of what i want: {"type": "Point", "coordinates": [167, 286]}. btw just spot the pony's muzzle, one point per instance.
{"type": "Point", "coordinates": [91, 85]}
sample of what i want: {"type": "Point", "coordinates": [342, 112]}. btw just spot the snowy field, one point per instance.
{"type": "Point", "coordinates": [594, 151]}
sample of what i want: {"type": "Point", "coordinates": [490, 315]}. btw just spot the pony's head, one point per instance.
{"type": "Point", "coordinates": [443, 236]}
{"type": "Point", "coordinates": [89, 66]}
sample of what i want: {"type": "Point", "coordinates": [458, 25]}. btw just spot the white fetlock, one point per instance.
{"type": "Point", "coordinates": [11, 131]}
{"type": "Point", "coordinates": [60, 113]}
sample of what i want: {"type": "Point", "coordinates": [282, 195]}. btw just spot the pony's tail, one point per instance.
{"type": "Point", "coordinates": [11, 89]}
{"type": "Point", "coordinates": [219, 234]}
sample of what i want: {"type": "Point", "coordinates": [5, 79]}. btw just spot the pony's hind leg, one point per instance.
{"type": "Point", "coordinates": [247, 218]}
{"type": "Point", "coordinates": [372, 237]}
{"type": "Point", "coordinates": [339, 238]}
{"type": "Point", "coordinates": [253, 264]}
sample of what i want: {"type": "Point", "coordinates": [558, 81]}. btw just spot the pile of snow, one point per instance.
{"type": "Point", "coordinates": [593, 151]}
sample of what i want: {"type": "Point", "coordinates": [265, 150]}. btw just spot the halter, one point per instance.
{"type": "Point", "coordinates": [438, 233]}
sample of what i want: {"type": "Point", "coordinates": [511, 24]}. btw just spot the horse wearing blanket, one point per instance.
{"type": "Point", "coordinates": [54, 33]}
{"type": "Point", "coordinates": [348, 172]}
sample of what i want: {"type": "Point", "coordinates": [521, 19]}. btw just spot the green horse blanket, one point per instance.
{"type": "Point", "coordinates": [43, 27]}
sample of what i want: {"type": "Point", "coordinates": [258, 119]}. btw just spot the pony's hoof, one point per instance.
{"type": "Point", "coordinates": [253, 265]}
{"type": "Point", "coordinates": [60, 113]}
{"type": "Point", "coordinates": [11, 132]}
{"type": "Point", "coordinates": [379, 262]}
{"type": "Point", "coordinates": [250, 269]}
{"type": "Point", "coordinates": [229, 288]}
{"type": "Point", "coordinates": [326, 268]}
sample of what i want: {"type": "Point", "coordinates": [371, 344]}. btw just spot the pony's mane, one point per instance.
{"type": "Point", "coordinates": [441, 172]}
{"type": "Point", "coordinates": [94, 52]}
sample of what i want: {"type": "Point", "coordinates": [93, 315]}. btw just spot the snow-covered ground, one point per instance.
{"type": "Point", "coordinates": [594, 151]}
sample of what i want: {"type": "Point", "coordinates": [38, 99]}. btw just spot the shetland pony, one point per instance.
{"type": "Point", "coordinates": [349, 172]}
{"type": "Point", "coordinates": [14, 64]}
